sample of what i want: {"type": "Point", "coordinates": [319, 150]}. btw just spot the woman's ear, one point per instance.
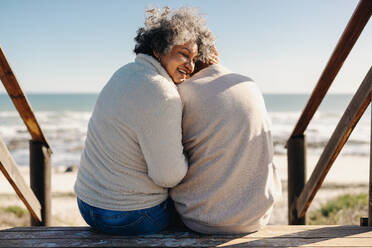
{"type": "Point", "coordinates": [156, 54]}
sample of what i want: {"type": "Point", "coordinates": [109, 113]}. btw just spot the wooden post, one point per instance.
{"type": "Point", "coordinates": [370, 176]}
{"type": "Point", "coordinates": [40, 180]}
{"type": "Point", "coordinates": [296, 176]}
{"type": "Point", "coordinates": [354, 111]}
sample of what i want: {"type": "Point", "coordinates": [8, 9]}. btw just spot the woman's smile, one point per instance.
{"type": "Point", "coordinates": [180, 62]}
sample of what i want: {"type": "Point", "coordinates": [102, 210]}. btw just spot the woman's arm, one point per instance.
{"type": "Point", "coordinates": [199, 65]}
{"type": "Point", "coordinates": [160, 139]}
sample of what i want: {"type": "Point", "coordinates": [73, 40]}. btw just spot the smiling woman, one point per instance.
{"type": "Point", "coordinates": [133, 151]}
{"type": "Point", "coordinates": [180, 62]}
{"type": "Point", "coordinates": [177, 41]}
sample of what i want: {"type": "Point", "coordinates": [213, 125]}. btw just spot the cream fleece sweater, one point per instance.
{"type": "Point", "coordinates": [133, 151]}
{"type": "Point", "coordinates": [232, 183]}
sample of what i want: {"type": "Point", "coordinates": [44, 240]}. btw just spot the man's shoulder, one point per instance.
{"type": "Point", "coordinates": [213, 78]}
{"type": "Point", "coordinates": [210, 71]}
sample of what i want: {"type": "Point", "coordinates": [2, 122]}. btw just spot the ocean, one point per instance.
{"type": "Point", "coordinates": [64, 120]}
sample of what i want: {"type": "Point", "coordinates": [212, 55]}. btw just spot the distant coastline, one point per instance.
{"type": "Point", "coordinates": [85, 101]}
{"type": "Point", "coordinates": [64, 119]}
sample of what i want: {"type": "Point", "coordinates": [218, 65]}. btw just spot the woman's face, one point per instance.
{"type": "Point", "coordinates": [180, 62]}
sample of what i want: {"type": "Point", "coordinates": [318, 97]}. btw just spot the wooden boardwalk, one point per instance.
{"type": "Point", "coordinates": [270, 236]}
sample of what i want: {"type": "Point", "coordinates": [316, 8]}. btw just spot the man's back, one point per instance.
{"type": "Point", "coordinates": [232, 183]}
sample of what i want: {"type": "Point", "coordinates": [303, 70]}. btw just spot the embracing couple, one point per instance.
{"type": "Point", "coordinates": [174, 131]}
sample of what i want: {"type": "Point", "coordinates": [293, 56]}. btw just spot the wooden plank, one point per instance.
{"type": "Point", "coordinates": [349, 37]}
{"type": "Point", "coordinates": [12, 173]}
{"type": "Point", "coordinates": [20, 100]}
{"type": "Point", "coordinates": [170, 242]}
{"type": "Point", "coordinates": [354, 111]}
{"type": "Point", "coordinates": [266, 232]}
{"type": "Point", "coordinates": [270, 236]}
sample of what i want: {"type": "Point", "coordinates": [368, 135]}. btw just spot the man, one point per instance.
{"type": "Point", "coordinates": [232, 183]}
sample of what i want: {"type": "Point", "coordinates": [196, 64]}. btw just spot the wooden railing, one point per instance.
{"type": "Point", "coordinates": [300, 195]}
{"type": "Point", "coordinates": [37, 199]}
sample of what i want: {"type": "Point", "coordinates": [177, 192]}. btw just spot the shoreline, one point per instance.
{"type": "Point", "coordinates": [349, 174]}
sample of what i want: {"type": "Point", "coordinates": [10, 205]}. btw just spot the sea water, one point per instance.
{"type": "Point", "coordinates": [64, 120]}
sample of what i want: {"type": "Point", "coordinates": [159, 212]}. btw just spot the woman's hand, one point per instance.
{"type": "Point", "coordinates": [214, 59]}
{"type": "Point", "coordinates": [199, 65]}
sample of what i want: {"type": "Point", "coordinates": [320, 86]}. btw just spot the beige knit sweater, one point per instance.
{"type": "Point", "coordinates": [133, 150]}
{"type": "Point", "coordinates": [232, 183]}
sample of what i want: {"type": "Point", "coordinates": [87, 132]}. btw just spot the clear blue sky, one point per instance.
{"type": "Point", "coordinates": [76, 45]}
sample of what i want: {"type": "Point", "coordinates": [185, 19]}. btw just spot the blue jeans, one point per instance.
{"type": "Point", "coordinates": [136, 222]}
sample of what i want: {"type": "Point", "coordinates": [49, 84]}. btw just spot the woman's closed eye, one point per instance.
{"type": "Point", "coordinates": [185, 55]}
{"type": "Point", "coordinates": [188, 57]}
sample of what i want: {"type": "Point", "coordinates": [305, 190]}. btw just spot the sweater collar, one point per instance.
{"type": "Point", "coordinates": [147, 59]}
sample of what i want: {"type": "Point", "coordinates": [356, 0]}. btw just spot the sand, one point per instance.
{"type": "Point", "coordinates": [349, 174]}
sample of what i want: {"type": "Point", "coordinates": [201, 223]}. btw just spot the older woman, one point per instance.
{"type": "Point", "coordinates": [133, 151]}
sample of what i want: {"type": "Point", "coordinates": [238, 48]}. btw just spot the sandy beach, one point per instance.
{"type": "Point", "coordinates": [349, 174]}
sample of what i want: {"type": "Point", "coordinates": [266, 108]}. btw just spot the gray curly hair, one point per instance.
{"type": "Point", "coordinates": [165, 28]}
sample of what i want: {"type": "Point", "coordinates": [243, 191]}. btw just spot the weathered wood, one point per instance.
{"type": "Point", "coordinates": [170, 242]}
{"type": "Point", "coordinates": [40, 180]}
{"type": "Point", "coordinates": [350, 118]}
{"type": "Point", "coordinates": [20, 100]}
{"type": "Point", "coordinates": [270, 236]}
{"type": "Point", "coordinates": [14, 176]}
{"type": "Point", "coordinates": [296, 176]}
{"type": "Point", "coordinates": [350, 35]}
{"type": "Point", "coordinates": [370, 175]}
{"type": "Point", "coordinates": [290, 231]}
{"type": "Point", "coordinates": [39, 159]}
